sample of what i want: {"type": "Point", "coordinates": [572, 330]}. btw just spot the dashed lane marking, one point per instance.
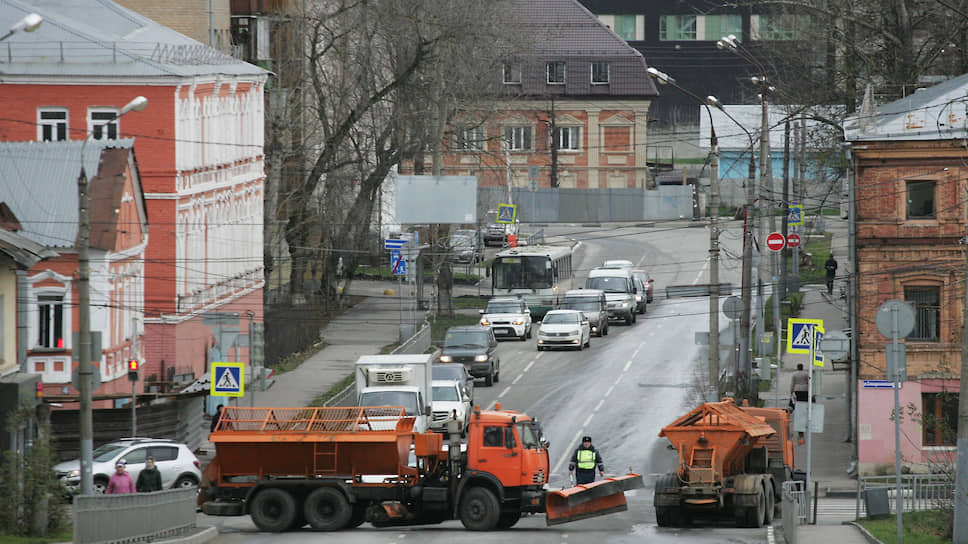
{"type": "Point", "coordinates": [505, 392]}
{"type": "Point", "coordinates": [610, 389]}
{"type": "Point", "coordinates": [627, 365]}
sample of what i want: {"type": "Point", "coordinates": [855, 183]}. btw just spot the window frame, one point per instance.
{"type": "Point", "coordinates": [47, 321]}
{"type": "Point", "coordinates": [511, 73]}
{"type": "Point", "coordinates": [940, 401]}
{"type": "Point", "coordinates": [57, 126]}
{"type": "Point", "coordinates": [925, 313]}
{"type": "Point", "coordinates": [555, 65]}
{"type": "Point", "coordinates": [101, 129]}
{"type": "Point", "coordinates": [522, 132]}
{"type": "Point", "coordinates": [470, 139]}
{"type": "Point", "coordinates": [909, 186]}
{"type": "Point", "coordinates": [607, 71]}
{"type": "Point", "coordinates": [624, 31]}
{"type": "Point", "coordinates": [791, 28]}
{"type": "Point", "coordinates": [679, 36]}
{"type": "Point", "coordinates": [574, 133]}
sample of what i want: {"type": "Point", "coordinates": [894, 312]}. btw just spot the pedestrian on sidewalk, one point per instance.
{"type": "Point", "coordinates": [831, 267]}
{"type": "Point", "coordinates": [149, 479]}
{"type": "Point", "coordinates": [799, 388]}
{"type": "Point", "coordinates": [120, 481]}
{"type": "Point", "coordinates": [216, 418]}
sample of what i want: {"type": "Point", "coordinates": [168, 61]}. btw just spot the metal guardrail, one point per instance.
{"type": "Point", "coordinates": [918, 491]}
{"type": "Point", "coordinates": [796, 509]}
{"type": "Point", "coordinates": [535, 238]}
{"type": "Point", "coordinates": [134, 517]}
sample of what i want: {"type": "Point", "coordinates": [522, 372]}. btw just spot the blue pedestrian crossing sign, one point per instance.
{"type": "Point", "coordinates": [227, 380]}
{"type": "Point", "coordinates": [398, 265]}
{"type": "Point", "coordinates": [506, 213]}
{"type": "Point", "coordinates": [796, 214]}
{"type": "Point", "coordinates": [817, 352]}
{"type": "Point", "coordinates": [800, 334]}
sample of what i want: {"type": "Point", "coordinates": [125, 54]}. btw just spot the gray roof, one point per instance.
{"type": "Point", "coordinates": [933, 113]}
{"type": "Point", "coordinates": [38, 182]}
{"type": "Point", "coordinates": [565, 31]}
{"type": "Point", "coordinates": [101, 38]}
{"type": "Point", "coordinates": [24, 251]}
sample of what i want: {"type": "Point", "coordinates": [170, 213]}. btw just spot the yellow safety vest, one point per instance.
{"type": "Point", "coordinates": [586, 459]}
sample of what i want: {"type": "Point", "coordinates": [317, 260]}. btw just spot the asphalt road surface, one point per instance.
{"type": "Point", "coordinates": [621, 391]}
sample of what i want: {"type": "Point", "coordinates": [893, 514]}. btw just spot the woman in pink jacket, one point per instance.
{"type": "Point", "coordinates": [120, 481]}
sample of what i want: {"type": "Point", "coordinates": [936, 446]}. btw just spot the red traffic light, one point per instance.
{"type": "Point", "coordinates": [133, 365]}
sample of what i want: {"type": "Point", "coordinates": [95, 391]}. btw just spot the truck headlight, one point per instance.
{"type": "Point", "coordinates": [480, 358]}
{"type": "Point", "coordinates": [446, 358]}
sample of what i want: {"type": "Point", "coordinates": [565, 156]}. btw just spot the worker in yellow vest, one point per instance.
{"type": "Point", "coordinates": [585, 460]}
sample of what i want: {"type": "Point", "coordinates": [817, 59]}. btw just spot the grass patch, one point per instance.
{"type": "Point", "coordinates": [922, 527]}
{"type": "Point", "coordinates": [440, 323]}
{"type": "Point", "coordinates": [384, 273]}
{"type": "Point", "coordinates": [293, 360]}
{"type": "Point", "coordinates": [470, 302]}
{"type": "Point", "coordinates": [322, 399]}
{"type": "Point", "coordinates": [65, 535]}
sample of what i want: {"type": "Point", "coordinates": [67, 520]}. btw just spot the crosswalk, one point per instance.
{"type": "Point", "coordinates": [836, 510]}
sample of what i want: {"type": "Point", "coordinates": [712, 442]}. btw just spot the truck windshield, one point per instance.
{"type": "Point", "coordinates": [446, 393]}
{"type": "Point", "coordinates": [407, 399]}
{"type": "Point", "coordinates": [465, 339]}
{"type": "Point", "coordinates": [609, 284]}
{"type": "Point", "coordinates": [588, 305]}
{"type": "Point", "coordinates": [529, 435]}
{"type": "Point", "coordinates": [527, 272]}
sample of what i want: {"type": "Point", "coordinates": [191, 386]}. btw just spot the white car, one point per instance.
{"type": "Point", "coordinates": [449, 400]}
{"type": "Point", "coordinates": [564, 328]}
{"type": "Point", "coordinates": [178, 465]}
{"type": "Point", "coordinates": [508, 316]}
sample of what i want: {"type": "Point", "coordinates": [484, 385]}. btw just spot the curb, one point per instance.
{"type": "Point", "coordinates": [870, 538]}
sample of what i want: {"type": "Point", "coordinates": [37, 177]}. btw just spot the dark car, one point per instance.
{"type": "Point", "coordinates": [458, 373]}
{"type": "Point", "coordinates": [475, 347]}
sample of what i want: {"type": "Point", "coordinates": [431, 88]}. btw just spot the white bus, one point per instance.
{"type": "Point", "coordinates": [540, 274]}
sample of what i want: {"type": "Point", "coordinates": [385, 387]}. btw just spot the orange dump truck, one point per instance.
{"type": "Point", "coordinates": [332, 469]}
{"type": "Point", "coordinates": [732, 461]}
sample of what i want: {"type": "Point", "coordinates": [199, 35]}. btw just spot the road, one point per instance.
{"type": "Point", "coordinates": [621, 391]}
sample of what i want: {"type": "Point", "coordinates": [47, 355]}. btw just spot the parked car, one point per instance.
{"type": "Point", "coordinates": [449, 400]}
{"type": "Point", "coordinates": [592, 303]}
{"type": "Point", "coordinates": [465, 248]}
{"type": "Point", "coordinates": [449, 371]}
{"type": "Point", "coordinates": [564, 328]}
{"type": "Point", "coordinates": [508, 316]}
{"type": "Point", "coordinates": [647, 281]}
{"type": "Point", "coordinates": [178, 465]}
{"type": "Point", "coordinates": [475, 347]}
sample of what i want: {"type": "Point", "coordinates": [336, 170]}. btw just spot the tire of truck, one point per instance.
{"type": "Point", "coordinates": [507, 519]}
{"type": "Point", "coordinates": [479, 509]}
{"type": "Point", "coordinates": [273, 510]}
{"type": "Point", "coordinates": [667, 516]}
{"type": "Point", "coordinates": [768, 506]}
{"type": "Point", "coordinates": [751, 516]}
{"type": "Point", "coordinates": [326, 509]}
{"type": "Point", "coordinates": [358, 517]}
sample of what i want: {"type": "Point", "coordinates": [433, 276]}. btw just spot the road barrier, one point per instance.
{"type": "Point", "coordinates": [796, 509]}
{"type": "Point", "coordinates": [134, 517]}
{"type": "Point", "coordinates": [918, 491]}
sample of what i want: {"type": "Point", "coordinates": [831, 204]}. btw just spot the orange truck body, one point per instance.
{"type": "Point", "coordinates": [336, 468]}
{"type": "Point", "coordinates": [732, 459]}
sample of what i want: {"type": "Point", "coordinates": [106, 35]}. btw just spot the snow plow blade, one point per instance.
{"type": "Point", "coordinates": [590, 500]}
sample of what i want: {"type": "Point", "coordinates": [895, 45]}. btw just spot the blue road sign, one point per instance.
{"type": "Point", "coordinates": [817, 352]}
{"type": "Point", "coordinates": [506, 213]}
{"type": "Point", "coordinates": [800, 334]}
{"type": "Point", "coordinates": [877, 384]}
{"type": "Point", "coordinates": [393, 244]}
{"type": "Point", "coordinates": [227, 380]}
{"type": "Point", "coordinates": [796, 214]}
{"type": "Point", "coordinates": [397, 263]}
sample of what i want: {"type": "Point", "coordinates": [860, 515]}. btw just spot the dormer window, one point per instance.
{"type": "Point", "coordinates": [600, 73]}
{"type": "Point", "coordinates": [512, 74]}
{"type": "Point", "coordinates": [556, 73]}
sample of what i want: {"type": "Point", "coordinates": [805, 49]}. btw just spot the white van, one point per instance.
{"type": "Point", "coordinates": [619, 291]}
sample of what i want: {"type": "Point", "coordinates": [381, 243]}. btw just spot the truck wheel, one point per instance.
{"type": "Point", "coordinates": [358, 517]}
{"type": "Point", "coordinates": [507, 519]}
{"type": "Point", "coordinates": [273, 510]}
{"type": "Point", "coordinates": [327, 509]}
{"type": "Point", "coordinates": [668, 516]}
{"type": "Point", "coordinates": [479, 509]}
{"type": "Point", "coordinates": [768, 505]}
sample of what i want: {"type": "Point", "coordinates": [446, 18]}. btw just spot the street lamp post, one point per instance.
{"type": "Point", "coordinates": [29, 23]}
{"type": "Point", "coordinates": [84, 300]}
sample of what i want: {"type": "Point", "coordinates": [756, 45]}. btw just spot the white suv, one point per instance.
{"type": "Point", "coordinates": [178, 465]}
{"type": "Point", "coordinates": [508, 316]}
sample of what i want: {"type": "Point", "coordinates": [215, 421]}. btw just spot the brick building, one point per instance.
{"type": "Point", "coordinates": [910, 174]}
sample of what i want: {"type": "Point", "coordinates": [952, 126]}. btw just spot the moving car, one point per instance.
{"type": "Point", "coordinates": [465, 246]}
{"type": "Point", "coordinates": [178, 465]}
{"type": "Point", "coordinates": [618, 263]}
{"type": "Point", "coordinates": [475, 347]}
{"type": "Point", "coordinates": [590, 302]}
{"type": "Point", "coordinates": [508, 316]}
{"type": "Point", "coordinates": [619, 291]}
{"type": "Point", "coordinates": [449, 401]}
{"type": "Point", "coordinates": [641, 296]}
{"type": "Point", "coordinates": [648, 281]}
{"type": "Point", "coordinates": [564, 328]}
{"type": "Point", "coordinates": [450, 371]}
{"type": "Point", "coordinates": [497, 233]}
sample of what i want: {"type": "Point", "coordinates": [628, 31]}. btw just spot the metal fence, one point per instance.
{"type": "Point", "coordinates": [918, 491]}
{"type": "Point", "coordinates": [796, 508]}
{"type": "Point", "coordinates": [134, 517]}
{"type": "Point", "coordinates": [665, 202]}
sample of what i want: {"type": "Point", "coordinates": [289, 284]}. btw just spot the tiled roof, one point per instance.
{"type": "Point", "coordinates": [38, 182]}
{"type": "Point", "coordinates": [563, 30]}
{"type": "Point", "coordinates": [101, 38]}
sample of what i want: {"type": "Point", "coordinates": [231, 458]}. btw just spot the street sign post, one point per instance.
{"type": "Point", "coordinates": [227, 380]}
{"type": "Point", "coordinates": [775, 241]}
{"type": "Point", "coordinates": [733, 307]}
{"type": "Point", "coordinates": [796, 214]}
{"type": "Point", "coordinates": [835, 345]}
{"type": "Point", "coordinates": [793, 240]}
{"type": "Point", "coordinates": [506, 213]}
{"type": "Point", "coordinates": [398, 265]}
{"type": "Point", "coordinates": [800, 334]}
{"type": "Point", "coordinates": [391, 243]}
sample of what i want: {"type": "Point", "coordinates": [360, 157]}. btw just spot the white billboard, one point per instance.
{"type": "Point", "coordinates": [436, 199]}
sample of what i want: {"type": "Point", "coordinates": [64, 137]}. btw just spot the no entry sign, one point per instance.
{"type": "Point", "coordinates": [793, 239]}
{"type": "Point", "coordinates": [774, 241]}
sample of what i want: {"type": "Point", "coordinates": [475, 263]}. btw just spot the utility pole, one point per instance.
{"type": "Point", "coordinates": [713, 261]}
{"type": "Point", "coordinates": [84, 333]}
{"type": "Point", "coordinates": [784, 224]}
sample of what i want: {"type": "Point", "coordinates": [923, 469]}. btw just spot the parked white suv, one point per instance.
{"type": "Point", "coordinates": [178, 465]}
{"type": "Point", "coordinates": [508, 316]}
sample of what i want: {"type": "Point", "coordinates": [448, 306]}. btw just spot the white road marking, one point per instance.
{"type": "Point", "coordinates": [599, 405]}
{"type": "Point", "coordinates": [769, 535]}
{"type": "Point", "coordinates": [702, 271]}
{"type": "Point", "coordinates": [565, 457]}
{"type": "Point", "coordinates": [636, 352]}
{"type": "Point", "coordinates": [587, 420]}
{"type": "Point", "coordinates": [627, 365]}
{"type": "Point", "coordinates": [505, 392]}
{"type": "Point", "coordinates": [610, 389]}
{"type": "Point", "coordinates": [516, 380]}
{"type": "Point", "coordinates": [527, 368]}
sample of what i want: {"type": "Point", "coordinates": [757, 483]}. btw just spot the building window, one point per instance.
{"type": "Point", "coordinates": [939, 419]}
{"type": "Point", "coordinates": [512, 74]}
{"type": "Point", "coordinates": [677, 28]}
{"type": "Point", "coordinates": [556, 73]}
{"type": "Point", "coordinates": [39, 366]}
{"type": "Point", "coordinates": [518, 138]}
{"type": "Point", "coordinates": [52, 124]}
{"type": "Point", "coordinates": [599, 73]}
{"type": "Point", "coordinates": [102, 124]}
{"type": "Point", "coordinates": [920, 199]}
{"type": "Point", "coordinates": [625, 27]}
{"type": "Point", "coordinates": [718, 26]}
{"type": "Point", "coordinates": [782, 27]}
{"type": "Point", "coordinates": [927, 312]}
{"type": "Point", "coordinates": [568, 138]}
{"type": "Point", "coordinates": [470, 139]}
{"type": "Point", "coordinates": [50, 324]}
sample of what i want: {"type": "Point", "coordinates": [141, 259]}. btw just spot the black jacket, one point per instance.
{"type": "Point", "coordinates": [149, 479]}
{"type": "Point", "coordinates": [574, 460]}
{"type": "Point", "coordinates": [831, 267]}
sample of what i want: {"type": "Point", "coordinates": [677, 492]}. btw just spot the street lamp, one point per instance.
{"type": "Point", "coordinates": [29, 23]}
{"type": "Point", "coordinates": [84, 301]}
{"type": "Point", "coordinates": [713, 367]}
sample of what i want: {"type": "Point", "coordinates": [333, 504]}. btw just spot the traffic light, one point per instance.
{"type": "Point", "coordinates": [133, 369]}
